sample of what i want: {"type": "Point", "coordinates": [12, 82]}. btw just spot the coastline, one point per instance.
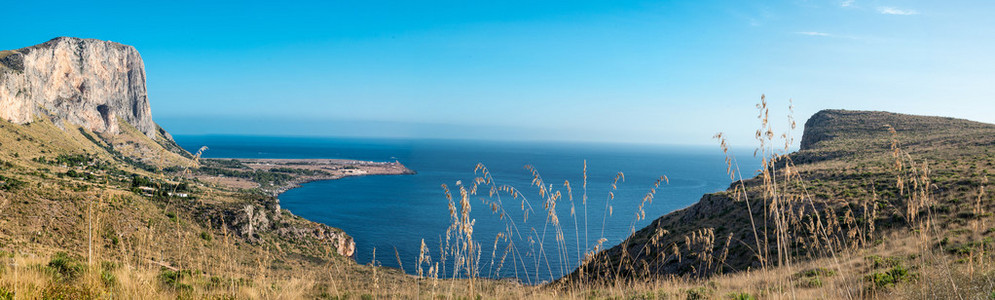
{"type": "Point", "coordinates": [272, 177]}
{"type": "Point", "coordinates": [300, 171]}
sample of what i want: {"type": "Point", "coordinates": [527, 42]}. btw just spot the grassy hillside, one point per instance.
{"type": "Point", "coordinates": [868, 193]}
{"type": "Point", "coordinates": [89, 215]}
{"type": "Point", "coordinates": [860, 211]}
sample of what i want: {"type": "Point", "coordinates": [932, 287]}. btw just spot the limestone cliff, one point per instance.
{"type": "Point", "coordinates": [87, 82]}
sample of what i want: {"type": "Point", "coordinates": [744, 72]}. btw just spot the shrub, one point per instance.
{"type": "Point", "coordinates": [173, 279]}
{"type": "Point", "coordinates": [65, 267]}
{"type": "Point", "coordinates": [108, 278]}
{"type": "Point", "coordinates": [699, 293]}
{"type": "Point", "coordinates": [895, 275]}
{"type": "Point", "coordinates": [9, 183]}
{"type": "Point", "coordinates": [742, 296]}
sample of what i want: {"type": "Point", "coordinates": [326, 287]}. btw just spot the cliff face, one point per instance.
{"type": "Point", "coordinates": [87, 82]}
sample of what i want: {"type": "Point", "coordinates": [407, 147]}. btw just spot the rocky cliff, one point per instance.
{"type": "Point", "coordinates": [87, 82]}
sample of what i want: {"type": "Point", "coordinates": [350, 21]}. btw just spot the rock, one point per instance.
{"type": "Point", "coordinates": [342, 243]}
{"type": "Point", "coordinates": [87, 82]}
{"type": "Point", "coordinates": [251, 220]}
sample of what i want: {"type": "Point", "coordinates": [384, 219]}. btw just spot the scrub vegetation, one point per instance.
{"type": "Point", "coordinates": [873, 205]}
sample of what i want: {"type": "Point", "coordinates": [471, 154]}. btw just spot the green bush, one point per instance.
{"type": "Point", "coordinates": [173, 279]}
{"type": "Point", "coordinates": [742, 296]}
{"type": "Point", "coordinates": [812, 278]}
{"type": "Point", "coordinates": [65, 267]}
{"type": "Point", "coordinates": [10, 183]}
{"type": "Point", "coordinates": [895, 275]}
{"type": "Point", "coordinates": [108, 278]}
{"type": "Point", "coordinates": [699, 293]}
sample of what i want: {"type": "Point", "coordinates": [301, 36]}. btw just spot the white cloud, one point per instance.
{"type": "Point", "coordinates": [847, 3]}
{"type": "Point", "coordinates": [828, 35]}
{"type": "Point", "coordinates": [814, 33]}
{"type": "Point", "coordinates": [887, 10]}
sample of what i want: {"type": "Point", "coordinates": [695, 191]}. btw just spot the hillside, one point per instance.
{"type": "Point", "coordinates": [134, 220]}
{"type": "Point", "coordinates": [93, 191]}
{"type": "Point", "coordinates": [840, 193]}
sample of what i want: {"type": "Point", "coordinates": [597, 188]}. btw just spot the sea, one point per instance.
{"type": "Point", "coordinates": [520, 232]}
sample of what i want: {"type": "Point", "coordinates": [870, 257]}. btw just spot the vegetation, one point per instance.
{"type": "Point", "coordinates": [263, 177]}
{"type": "Point", "coordinates": [302, 171]}
{"type": "Point", "coordinates": [874, 205]}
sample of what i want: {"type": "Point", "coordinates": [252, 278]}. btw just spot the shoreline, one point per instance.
{"type": "Point", "coordinates": [272, 177]}
{"type": "Point", "coordinates": [301, 171]}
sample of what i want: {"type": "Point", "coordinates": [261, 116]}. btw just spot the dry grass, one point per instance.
{"type": "Point", "coordinates": [909, 226]}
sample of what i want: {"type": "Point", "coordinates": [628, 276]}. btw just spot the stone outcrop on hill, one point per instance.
{"type": "Point", "coordinates": [251, 220]}
{"type": "Point", "coordinates": [86, 82]}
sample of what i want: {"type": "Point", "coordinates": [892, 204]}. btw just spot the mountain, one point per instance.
{"type": "Point", "coordinates": [86, 82]}
{"type": "Point", "coordinates": [97, 86]}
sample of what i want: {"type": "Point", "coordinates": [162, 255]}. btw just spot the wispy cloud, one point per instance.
{"type": "Point", "coordinates": [847, 3]}
{"type": "Point", "coordinates": [814, 33]}
{"type": "Point", "coordinates": [827, 35]}
{"type": "Point", "coordinates": [888, 10]}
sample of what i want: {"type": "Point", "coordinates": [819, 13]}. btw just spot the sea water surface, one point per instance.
{"type": "Point", "coordinates": [393, 214]}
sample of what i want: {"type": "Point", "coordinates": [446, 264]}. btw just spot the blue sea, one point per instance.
{"type": "Point", "coordinates": [393, 214]}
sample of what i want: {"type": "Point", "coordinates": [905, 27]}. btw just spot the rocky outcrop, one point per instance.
{"type": "Point", "coordinates": [87, 82]}
{"type": "Point", "coordinates": [254, 220]}
{"type": "Point", "coordinates": [342, 243]}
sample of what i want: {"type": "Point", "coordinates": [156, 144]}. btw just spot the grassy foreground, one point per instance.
{"type": "Point", "coordinates": [861, 211]}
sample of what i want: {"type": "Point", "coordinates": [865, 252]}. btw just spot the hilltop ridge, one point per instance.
{"type": "Point", "coordinates": [827, 126]}
{"type": "Point", "coordinates": [846, 157]}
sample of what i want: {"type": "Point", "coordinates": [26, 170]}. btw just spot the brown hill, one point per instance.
{"type": "Point", "coordinates": [846, 168]}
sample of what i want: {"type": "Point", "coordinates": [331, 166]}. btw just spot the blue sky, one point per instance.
{"type": "Point", "coordinates": [672, 72]}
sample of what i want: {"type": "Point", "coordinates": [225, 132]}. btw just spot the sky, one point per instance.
{"type": "Point", "coordinates": [660, 72]}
